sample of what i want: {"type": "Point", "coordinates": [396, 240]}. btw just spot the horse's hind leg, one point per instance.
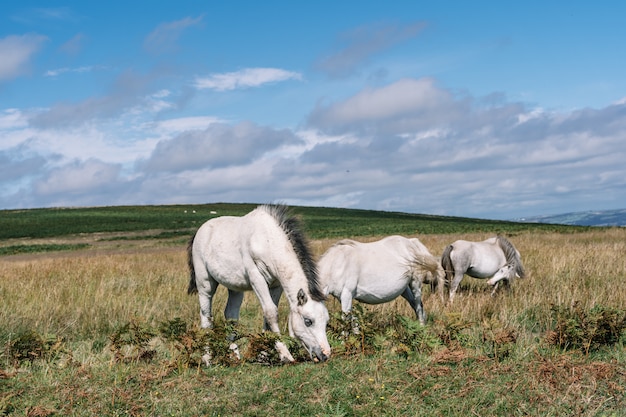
{"type": "Point", "coordinates": [413, 294]}
{"type": "Point", "coordinates": [206, 289]}
{"type": "Point", "coordinates": [233, 305]}
{"type": "Point", "coordinates": [231, 313]}
{"type": "Point", "coordinates": [458, 276]}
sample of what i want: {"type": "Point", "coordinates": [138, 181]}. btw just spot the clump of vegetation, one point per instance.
{"type": "Point", "coordinates": [451, 329]}
{"type": "Point", "coordinates": [411, 334]}
{"type": "Point", "coordinates": [364, 332]}
{"type": "Point", "coordinates": [202, 346]}
{"type": "Point", "coordinates": [261, 349]}
{"type": "Point", "coordinates": [355, 333]}
{"type": "Point", "coordinates": [130, 342]}
{"type": "Point", "coordinates": [587, 330]}
{"type": "Point", "coordinates": [500, 340]}
{"type": "Point", "coordinates": [29, 345]}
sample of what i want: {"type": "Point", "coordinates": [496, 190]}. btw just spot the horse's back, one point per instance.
{"type": "Point", "coordinates": [336, 266]}
{"type": "Point", "coordinates": [217, 234]}
{"type": "Point", "coordinates": [374, 271]}
{"type": "Point", "coordinates": [233, 236]}
{"type": "Point", "coordinates": [478, 259]}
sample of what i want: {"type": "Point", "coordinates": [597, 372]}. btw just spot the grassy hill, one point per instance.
{"type": "Point", "coordinates": [321, 222]}
{"type": "Point", "coordinates": [583, 218]}
{"type": "Point", "coordinates": [115, 333]}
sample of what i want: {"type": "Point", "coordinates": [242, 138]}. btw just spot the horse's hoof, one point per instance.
{"type": "Point", "coordinates": [235, 349]}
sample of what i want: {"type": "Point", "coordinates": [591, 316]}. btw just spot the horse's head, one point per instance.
{"type": "Point", "coordinates": [506, 272]}
{"type": "Point", "coordinates": [307, 322]}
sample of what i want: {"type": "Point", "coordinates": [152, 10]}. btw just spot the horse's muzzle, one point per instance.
{"type": "Point", "coordinates": [320, 356]}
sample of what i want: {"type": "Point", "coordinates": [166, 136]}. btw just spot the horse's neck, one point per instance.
{"type": "Point", "coordinates": [280, 259]}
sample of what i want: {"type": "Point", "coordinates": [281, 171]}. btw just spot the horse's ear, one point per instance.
{"type": "Point", "coordinates": [301, 297]}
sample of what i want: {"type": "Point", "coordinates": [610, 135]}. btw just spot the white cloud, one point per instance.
{"type": "Point", "coordinates": [74, 45]}
{"type": "Point", "coordinates": [16, 53]}
{"type": "Point", "coordinates": [249, 77]}
{"type": "Point", "coordinates": [407, 104]}
{"type": "Point", "coordinates": [183, 124]}
{"type": "Point", "coordinates": [12, 119]}
{"type": "Point", "coordinates": [410, 145]}
{"type": "Point", "coordinates": [79, 177]}
{"type": "Point", "coordinates": [164, 37]}
{"type": "Point", "coordinates": [78, 70]}
{"type": "Point", "coordinates": [219, 145]}
{"type": "Point", "coordinates": [360, 44]}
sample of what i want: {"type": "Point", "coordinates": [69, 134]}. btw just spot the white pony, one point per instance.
{"type": "Point", "coordinates": [495, 258]}
{"type": "Point", "coordinates": [378, 272]}
{"type": "Point", "coordinates": [264, 251]}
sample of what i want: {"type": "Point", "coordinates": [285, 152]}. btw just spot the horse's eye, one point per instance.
{"type": "Point", "coordinates": [308, 322]}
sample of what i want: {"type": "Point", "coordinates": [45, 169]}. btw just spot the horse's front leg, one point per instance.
{"type": "Point", "coordinates": [346, 310]}
{"type": "Point", "coordinates": [505, 283]}
{"type": "Point", "coordinates": [270, 312]}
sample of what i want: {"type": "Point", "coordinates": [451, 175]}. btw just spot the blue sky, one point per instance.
{"type": "Point", "coordinates": [478, 109]}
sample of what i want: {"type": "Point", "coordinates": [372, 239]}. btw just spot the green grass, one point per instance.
{"type": "Point", "coordinates": [378, 385]}
{"type": "Point", "coordinates": [23, 249]}
{"type": "Point", "coordinates": [115, 333]}
{"type": "Point", "coordinates": [320, 222]}
{"type": "Point", "coordinates": [455, 380]}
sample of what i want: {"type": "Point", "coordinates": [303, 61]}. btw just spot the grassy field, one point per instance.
{"type": "Point", "coordinates": [107, 328]}
{"type": "Point", "coordinates": [320, 222]}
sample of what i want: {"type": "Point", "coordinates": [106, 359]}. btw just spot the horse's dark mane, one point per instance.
{"type": "Point", "coordinates": [511, 255]}
{"type": "Point", "coordinates": [292, 226]}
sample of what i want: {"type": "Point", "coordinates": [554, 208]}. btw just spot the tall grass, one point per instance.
{"type": "Point", "coordinates": [499, 367]}
{"type": "Point", "coordinates": [80, 297]}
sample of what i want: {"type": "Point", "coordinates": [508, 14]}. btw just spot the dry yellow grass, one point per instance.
{"type": "Point", "coordinates": [83, 295]}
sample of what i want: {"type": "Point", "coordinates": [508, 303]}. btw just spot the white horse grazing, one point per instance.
{"type": "Point", "coordinates": [264, 251]}
{"type": "Point", "coordinates": [378, 272]}
{"type": "Point", "coordinates": [495, 258]}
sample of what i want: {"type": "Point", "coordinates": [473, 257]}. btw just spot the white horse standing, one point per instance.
{"type": "Point", "coordinates": [264, 251]}
{"type": "Point", "coordinates": [495, 258]}
{"type": "Point", "coordinates": [378, 272]}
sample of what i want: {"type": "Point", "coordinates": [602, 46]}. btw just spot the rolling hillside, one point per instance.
{"type": "Point", "coordinates": [582, 218]}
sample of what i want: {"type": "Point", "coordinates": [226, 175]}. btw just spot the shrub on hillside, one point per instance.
{"type": "Point", "coordinates": [587, 330]}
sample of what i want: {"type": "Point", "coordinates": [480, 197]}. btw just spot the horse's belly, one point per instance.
{"type": "Point", "coordinates": [485, 269]}
{"type": "Point", "coordinates": [231, 275]}
{"type": "Point", "coordinates": [379, 294]}
{"type": "Point", "coordinates": [375, 298]}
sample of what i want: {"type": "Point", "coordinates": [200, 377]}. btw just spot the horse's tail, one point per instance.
{"type": "Point", "coordinates": [427, 264]}
{"type": "Point", "coordinates": [446, 264]}
{"type": "Point", "coordinates": [192, 271]}
{"type": "Point", "coordinates": [439, 282]}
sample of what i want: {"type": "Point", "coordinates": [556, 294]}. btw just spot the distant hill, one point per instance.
{"type": "Point", "coordinates": [582, 218]}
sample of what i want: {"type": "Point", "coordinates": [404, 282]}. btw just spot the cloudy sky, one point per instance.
{"type": "Point", "coordinates": [480, 109]}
